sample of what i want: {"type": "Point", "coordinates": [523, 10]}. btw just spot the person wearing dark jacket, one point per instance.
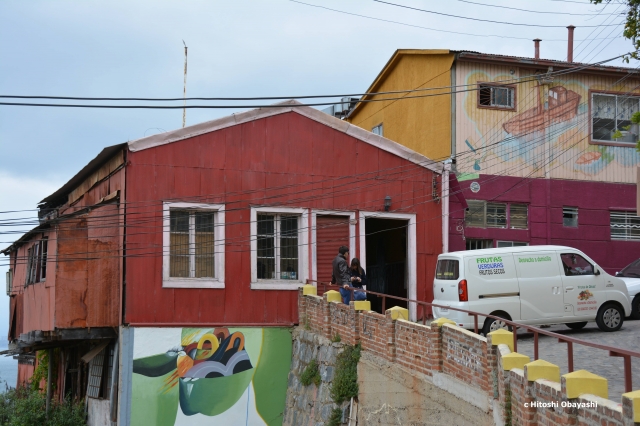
{"type": "Point", "coordinates": [341, 275]}
{"type": "Point", "coordinates": [358, 280]}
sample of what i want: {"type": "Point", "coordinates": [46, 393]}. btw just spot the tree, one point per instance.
{"type": "Point", "coordinates": [632, 26]}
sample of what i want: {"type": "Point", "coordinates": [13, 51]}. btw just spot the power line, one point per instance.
{"type": "Point", "coordinates": [528, 10]}
{"type": "Point", "coordinates": [418, 26]}
{"type": "Point", "coordinates": [478, 19]}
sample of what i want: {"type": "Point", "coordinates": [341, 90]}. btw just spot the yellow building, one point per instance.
{"type": "Point", "coordinates": [420, 120]}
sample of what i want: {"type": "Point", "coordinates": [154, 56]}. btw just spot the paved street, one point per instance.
{"type": "Point", "coordinates": [594, 360]}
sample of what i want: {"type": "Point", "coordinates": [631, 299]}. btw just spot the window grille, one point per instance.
{"type": "Point", "coordinates": [625, 226]}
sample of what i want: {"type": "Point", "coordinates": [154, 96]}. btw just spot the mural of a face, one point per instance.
{"type": "Point", "coordinates": [211, 373]}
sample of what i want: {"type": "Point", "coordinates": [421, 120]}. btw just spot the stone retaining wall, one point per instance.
{"type": "Point", "coordinates": [480, 371]}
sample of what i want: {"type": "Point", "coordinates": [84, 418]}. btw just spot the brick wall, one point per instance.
{"type": "Point", "coordinates": [464, 357]}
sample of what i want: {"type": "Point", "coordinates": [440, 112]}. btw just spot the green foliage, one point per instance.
{"type": "Point", "coordinates": [42, 370]}
{"type": "Point", "coordinates": [311, 374]}
{"type": "Point", "coordinates": [635, 118]}
{"type": "Point", "coordinates": [26, 406]}
{"type": "Point", "coordinates": [617, 134]}
{"type": "Point", "coordinates": [336, 338]}
{"type": "Point", "coordinates": [345, 380]}
{"type": "Point", "coordinates": [336, 417]}
{"type": "Point", "coordinates": [631, 26]}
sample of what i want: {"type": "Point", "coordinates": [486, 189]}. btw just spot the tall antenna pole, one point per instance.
{"type": "Point", "coordinates": [184, 90]}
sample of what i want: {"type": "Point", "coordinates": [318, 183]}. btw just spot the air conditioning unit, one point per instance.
{"type": "Point", "coordinates": [9, 281]}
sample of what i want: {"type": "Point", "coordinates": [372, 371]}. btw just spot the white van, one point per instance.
{"type": "Point", "coordinates": [529, 285]}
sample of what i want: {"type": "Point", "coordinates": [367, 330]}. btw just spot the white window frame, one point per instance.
{"type": "Point", "coordinates": [378, 130]}
{"type": "Point", "coordinates": [314, 238]}
{"type": "Point", "coordinates": [412, 251]}
{"type": "Point", "coordinates": [303, 249]}
{"type": "Point", "coordinates": [219, 235]}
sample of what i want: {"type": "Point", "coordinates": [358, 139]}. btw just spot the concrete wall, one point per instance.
{"type": "Point", "coordinates": [448, 363]}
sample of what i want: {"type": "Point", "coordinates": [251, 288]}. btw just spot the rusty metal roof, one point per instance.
{"type": "Point", "coordinates": [84, 173]}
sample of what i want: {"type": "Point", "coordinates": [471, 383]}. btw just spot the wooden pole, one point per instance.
{"type": "Point", "coordinates": [184, 89]}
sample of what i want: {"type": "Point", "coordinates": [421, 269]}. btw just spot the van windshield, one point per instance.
{"type": "Point", "coordinates": [447, 269]}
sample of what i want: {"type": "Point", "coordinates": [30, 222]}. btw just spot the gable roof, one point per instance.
{"type": "Point", "coordinates": [245, 117]}
{"type": "Point", "coordinates": [283, 108]}
{"type": "Point", "coordinates": [390, 65]}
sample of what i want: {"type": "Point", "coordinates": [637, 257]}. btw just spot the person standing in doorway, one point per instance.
{"type": "Point", "coordinates": [341, 275]}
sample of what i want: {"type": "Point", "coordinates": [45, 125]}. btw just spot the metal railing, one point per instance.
{"type": "Point", "coordinates": [613, 351]}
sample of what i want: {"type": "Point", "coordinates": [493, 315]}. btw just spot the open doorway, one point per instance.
{"type": "Point", "coordinates": [386, 260]}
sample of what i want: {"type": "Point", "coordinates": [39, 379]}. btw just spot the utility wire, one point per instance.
{"type": "Point", "coordinates": [528, 10]}
{"type": "Point", "coordinates": [478, 19]}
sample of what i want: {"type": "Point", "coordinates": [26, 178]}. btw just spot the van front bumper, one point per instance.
{"type": "Point", "coordinates": [461, 319]}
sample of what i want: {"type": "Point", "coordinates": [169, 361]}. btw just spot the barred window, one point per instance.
{"type": "Point", "coordinates": [625, 226]}
{"type": "Point", "coordinates": [277, 238]}
{"type": "Point", "coordinates": [194, 245]}
{"type": "Point", "coordinates": [518, 216]}
{"type": "Point", "coordinates": [484, 214]}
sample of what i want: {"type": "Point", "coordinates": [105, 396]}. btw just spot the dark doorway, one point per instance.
{"type": "Point", "coordinates": [386, 266]}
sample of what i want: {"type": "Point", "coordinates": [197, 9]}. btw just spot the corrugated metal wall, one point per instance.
{"type": "Point", "coordinates": [483, 146]}
{"type": "Point", "coordinates": [284, 160]}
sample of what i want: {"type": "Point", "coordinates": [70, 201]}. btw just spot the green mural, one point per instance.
{"type": "Point", "coordinates": [227, 375]}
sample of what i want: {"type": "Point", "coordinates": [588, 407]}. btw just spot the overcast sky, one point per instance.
{"type": "Point", "coordinates": [237, 48]}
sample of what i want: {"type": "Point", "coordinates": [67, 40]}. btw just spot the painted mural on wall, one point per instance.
{"type": "Point", "coordinates": [193, 376]}
{"type": "Point", "coordinates": [548, 132]}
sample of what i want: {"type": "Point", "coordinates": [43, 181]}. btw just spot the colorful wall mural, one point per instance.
{"type": "Point", "coordinates": [548, 132]}
{"type": "Point", "coordinates": [221, 376]}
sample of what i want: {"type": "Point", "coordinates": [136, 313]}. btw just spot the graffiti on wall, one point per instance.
{"type": "Point", "coordinates": [210, 375]}
{"type": "Point", "coordinates": [547, 132]}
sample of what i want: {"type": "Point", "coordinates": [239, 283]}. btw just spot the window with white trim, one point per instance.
{"type": "Point", "coordinates": [193, 245]}
{"type": "Point", "coordinates": [625, 226]}
{"type": "Point", "coordinates": [279, 252]}
{"type": "Point", "coordinates": [377, 130]}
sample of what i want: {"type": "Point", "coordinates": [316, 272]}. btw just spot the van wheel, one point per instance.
{"type": "Point", "coordinates": [635, 308]}
{"type": "Point", "coordinates": [610, 317]}
{"type": "Point", "coordinates": [576, 325]}
{"type": "Point", "coordinates": [491, 324]}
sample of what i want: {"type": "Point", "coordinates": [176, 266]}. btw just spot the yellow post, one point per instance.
{"type": "Point", "coordinates": [541, 369]}
{"type": "Point", "coordinates": [399, 313]}
{"type": "Point", "coordinates": [442, 321]}
{"type": "Point", "coordinates": [309, 290]}
{"type": "Point", "coordinates": [333, 296]}
{"type": "Point", "coordinates": [362, 305]}
{"type": "Point", "coordinates": [634, 397]}
{"type": "Point", "coordinates": [502, 336]}
{"type": "Point", "coordinates": [514, 360]}
{"type": "Point", "coordinates": [582, 381]}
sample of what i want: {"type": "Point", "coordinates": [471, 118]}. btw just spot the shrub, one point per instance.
{"type": "Point", "coordinates": [26, 406]}
{"type": "Point", "coordinates": [311, 374]}
{"type": "Point", "coordinates": [345, 380]}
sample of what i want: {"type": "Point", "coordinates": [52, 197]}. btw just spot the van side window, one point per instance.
{"type": "Point", "coordinates": [574, 264]}
{"type": "Point", "coordinates": [447, 269]}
